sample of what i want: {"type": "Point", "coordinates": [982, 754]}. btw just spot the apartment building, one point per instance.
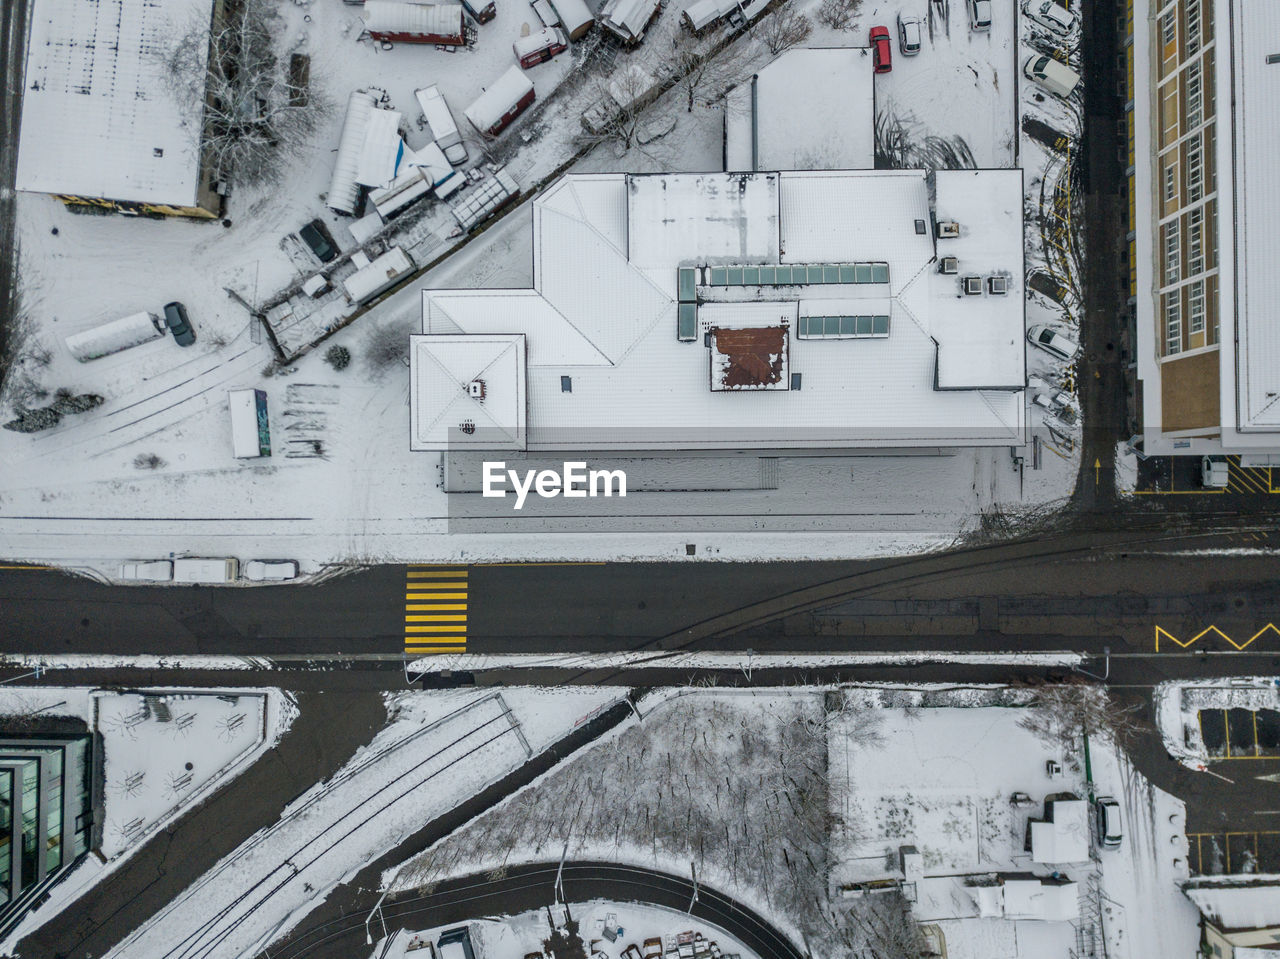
{"type": "Point", "coordinates": [1203, 78]}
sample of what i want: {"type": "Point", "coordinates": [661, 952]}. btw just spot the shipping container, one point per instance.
{"type": "Point", "coordinates": [390, 21]}
{"type": "Point", "coordinates": [115, 336]}
{"type": "Point", "coordinates": [540, 47]}
{"type": "Point", "coordinates": [505, 100]}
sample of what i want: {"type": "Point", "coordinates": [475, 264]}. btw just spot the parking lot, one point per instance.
{"type": "Point", "coordinates": [1241, 733]}
{"type": "Point", "coordinates": [1181, 475]}
{"type": "Point", "coordinates": [1217, 854]}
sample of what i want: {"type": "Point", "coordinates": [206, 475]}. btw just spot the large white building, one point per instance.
{"type": "Point", "coordinates": [782, 310]}
{"type": "Point", "coordinates": [1204, 133]}
{"type": "Point", "coordinates": [100, 123]}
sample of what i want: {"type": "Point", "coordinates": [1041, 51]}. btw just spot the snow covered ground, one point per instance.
{"type": "Point", "coordinates": [150, 474]}
{"type": "Point", "coordinates": [438, 750]}
{"type": "Point", "coordinates": [1178, 706]}
{"type": "Point", "coordinates": [164, 751]}
{"type": "Point", "coordinates": [527, 933]}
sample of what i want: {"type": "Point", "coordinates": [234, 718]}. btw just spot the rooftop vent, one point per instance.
{"type": "Point", "coordinates": [1273, 58]}
{"type": "Point", "coordinates": [950, 265]}
{"type": "Point", "coordinates": [467, 427]}
{"type": "Point", "coordinates": [476, 389]}
{"type": "Point", "coordinates": [948, 229]}
{"type": "Point", "coordinates": [972, 285]}
{"type": "Point", "coordinates": [920, 227]}
{"type": "Point", "coordinates": [997, 285]}
{"type": "Point", "coordinates": [566, 384]}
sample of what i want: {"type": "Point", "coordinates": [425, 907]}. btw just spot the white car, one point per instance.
{"type": "Point", "coordinates": [1051, 341]}
{"type": "Point", "coordinates": [270, 570]}
{"type": "Point", "coordinates": [1109, 831]}
{"type": "Point", "coordinates": [908, 35]}
{"type": "Point", "coordinates": [1051, 15]}
{"type": "Point", "coordinates": [979, 15]}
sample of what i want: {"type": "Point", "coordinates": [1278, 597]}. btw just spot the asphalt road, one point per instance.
{"type": "Point", "coordinates": [533, 887]}
{"type": "Point", "coordinates": [1066, 591]}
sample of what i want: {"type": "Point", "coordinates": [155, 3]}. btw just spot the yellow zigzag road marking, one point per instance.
{"type": "Point", "coordinates": [1162, 632]}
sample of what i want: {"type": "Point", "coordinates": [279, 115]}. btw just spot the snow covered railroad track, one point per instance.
{"type": "Point", "coordinates": [269, 883]}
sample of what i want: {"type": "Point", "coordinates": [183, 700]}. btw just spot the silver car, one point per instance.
{"type": "Point", "coordinates": [908, 35]}
{"type": "Point", "coordinates": [1051, 15]}
{"type": "Point", "coordinates": [980, 15]}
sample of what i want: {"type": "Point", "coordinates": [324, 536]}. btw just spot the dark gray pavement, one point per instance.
{"type": "Point", "coordinates": [329, 728]}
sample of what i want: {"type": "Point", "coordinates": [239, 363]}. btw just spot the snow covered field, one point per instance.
{"type": "Point", "coordinates": [437, 751]}
{"type": "Point", "coordinates": [164, 751]}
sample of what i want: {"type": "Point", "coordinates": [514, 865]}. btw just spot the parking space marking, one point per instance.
{"type": "Point", "coordinates": [1196, 842]}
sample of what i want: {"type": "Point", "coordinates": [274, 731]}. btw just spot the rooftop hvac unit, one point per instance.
{"type": "Point", "coordinates": [997, 285]}
{"type": "Point", "coordinates": [476, 389]}
{"type": "Point", "coordinates": [948, 229]}
{"type": "Point", "coordinates": [972, 285]}
{"type": "Point", "coordinates": [950, 265]}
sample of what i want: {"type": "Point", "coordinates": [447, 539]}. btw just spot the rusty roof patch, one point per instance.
{"type": "Point", "coordinates": [749, 359]}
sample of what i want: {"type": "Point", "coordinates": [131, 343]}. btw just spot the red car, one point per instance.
{"type": "Point", "coordinates": [883, 52]}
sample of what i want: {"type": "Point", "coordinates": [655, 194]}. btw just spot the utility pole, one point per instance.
{"type": "Point", "coordinates": [377, 907]}
{"type": "Point", "coordinates": [559, 892]}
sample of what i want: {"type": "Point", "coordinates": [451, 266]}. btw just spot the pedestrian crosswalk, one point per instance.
{"type": "Point", "coordinates": [435, 610]}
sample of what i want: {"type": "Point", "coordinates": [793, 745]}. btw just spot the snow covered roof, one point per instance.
{"type": "Point", "coordinates": [1255, 35]}
{"type": "Point", "coordinates": [501, 95]}
{"type": "Point", "coordinates": [809, 109]}
{"type": "Point", "coordinates": [1066, 838]}
{"type": "Point", "coordinates": [423, 19]}
{"type": "Point", "coordinates": [382, 150]}
{"type": "Point", "coordinates": [468, 391]}
{"type": "Point", "coordinates": [1033, 898]}
{"type": "Point", "coordinates": [98, 117]}
{"type": "Point", "coordinates": [605, 311]}
{"type": "Point", "coordinates": [1231, 905]}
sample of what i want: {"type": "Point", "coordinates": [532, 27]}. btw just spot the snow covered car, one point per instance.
{"type": "Point", "coordinates": [1048, 73]}
{"type": "Point", "coordinates": [1051, 15]}
{"type": "Point", "coordinates": [908, 35]}
{"type": "Point", "coordinates": [883, 51]}
{"type": "Point", "coordinates": [979, 15]}
{"type": "Point", "coordinates": [270, 570]}
{"type": "Point", "coordinates": [1051, 341]}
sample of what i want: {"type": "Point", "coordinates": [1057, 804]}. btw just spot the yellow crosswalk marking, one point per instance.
{"type": "Point", "coordinates": [435, 610]}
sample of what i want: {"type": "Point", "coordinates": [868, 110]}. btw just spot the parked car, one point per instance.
{"type": "Point", "coordinates": [1051, 15]}
{"type": "Point", "coordinates": [980, 15]}
{"type": "Point", "coordinates": [1053, 76]}
{"type": "Point", "coordinates": [148, 571]}
{"type": "Point", "coordinates": [1051, 341]}
{"type": "Point", "coordinates": [270, 570]}
{"type": "Point", "coordinates": [175, 318]}
{"type": "Point", "coordinates": [882, 49]}
{"type": "Point", "coordinates": [1214, 472]}
{"type": "Point", "coordinates": [318, 239]}
{"type": "Point", "coordinates": [1109, 833]}
{"type": "Point", "coordinates": [908, 35]}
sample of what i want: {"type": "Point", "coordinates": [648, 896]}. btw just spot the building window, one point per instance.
{"type": "Point", "coordinates": [1169, 112]}
{"type": "Point", "coordinates": [1170, 183]}
{"type": "Point", "coordinates": [1195, 241]}
{"type": "Point", "coordinates": [1195, 100]}
{"type": "Point", "coordinates": [1172, 251]}
{"type": "Point", "coordinates": [1195, 170]}
{"type": "Point", "coordinates": [1193, 27]}
{"type": "Point", "coordinates": [1173, 324]}
{"type": "Point", "coordinates": [1195, 308]}
{"type": "Point", "coordinates": [1168, 30]}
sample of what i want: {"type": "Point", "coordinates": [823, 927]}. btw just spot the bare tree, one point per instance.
{"type": "Point", "coordinates": [838, 14]}
{"type": "Point", "coordinates": [252, 113]}
{"type": "Point", "coordinates": [704, 72]}
{"type": "Point", "coordinates": [623, 105]}
{"type": "Point", "coordinates": [783, 30]}
{"type": "Point", "coordinates": [1062, 712]}
{"type": "Point", "coordinates": [880, 925]}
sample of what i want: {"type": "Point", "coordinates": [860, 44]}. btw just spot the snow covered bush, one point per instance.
{"type": "Point", "coordinates": [339, 357]}
{"type": "Point", "coordinates": [838, 14]}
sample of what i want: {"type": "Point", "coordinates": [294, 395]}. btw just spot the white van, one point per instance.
{"type": "Point", "coordinates": [1059, 80]}
{"type": "Point", "coordinates": [206, 571]}
{"type": "Point", "coordinates": [1215, 473]}
{"type": "Point", "coordinates": [147, 571]}
{"type": "Point", "coordinates": [440, 122]}
{"type": "Point", "coordinates": [115, 336]}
